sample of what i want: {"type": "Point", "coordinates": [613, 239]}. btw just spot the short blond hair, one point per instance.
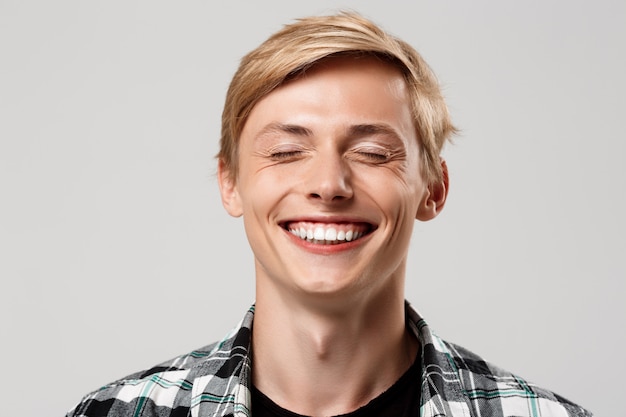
{"type": "Point", "coordinates": [300, 45]}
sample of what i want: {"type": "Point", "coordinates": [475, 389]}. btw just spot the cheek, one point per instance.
{"type": "Point", "coordinates": [391, 187]}
{"type": "Point", "coordinates": [261, 195]}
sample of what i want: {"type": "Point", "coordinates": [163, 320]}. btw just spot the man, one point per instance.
{"type": "Point", "coordinates": [331, 136]}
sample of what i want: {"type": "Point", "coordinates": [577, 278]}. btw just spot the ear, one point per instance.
{"type": "Point", "coordinates": [228, 190]}
{"type": "Point", "coordinates": [435, 197]}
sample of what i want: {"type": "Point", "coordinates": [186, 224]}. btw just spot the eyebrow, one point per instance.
{"type": "Point", "coordinates": [291, 129]}
{"type": "Point", "coordinates": [373, 129]}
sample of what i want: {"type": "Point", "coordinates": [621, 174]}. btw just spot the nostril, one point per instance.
{"type": "Point", "coordinates": [333, 198]}
{"type": "Point", "coordinates": [329, 188]}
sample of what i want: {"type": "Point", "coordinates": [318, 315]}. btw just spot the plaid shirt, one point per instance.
{"type": "Point", "coordinates": [215, 381]}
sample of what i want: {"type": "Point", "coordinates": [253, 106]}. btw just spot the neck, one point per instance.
{"type": "Point", "coordinates": [329, 361]}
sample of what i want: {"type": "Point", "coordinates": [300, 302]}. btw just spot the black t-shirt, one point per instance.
{"type": "Point", "coordinates": [402, 399]}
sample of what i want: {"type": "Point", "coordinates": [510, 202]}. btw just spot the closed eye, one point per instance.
{"type": "Point", "coordinates": [375, 155]}
{"type": "Point", "coordinates": [371, 154]}
{"type": "Point", "coordinates": [282, 155]}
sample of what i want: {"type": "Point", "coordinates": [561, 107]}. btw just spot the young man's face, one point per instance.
{"type": "Point", "coordinates": [329, 181]}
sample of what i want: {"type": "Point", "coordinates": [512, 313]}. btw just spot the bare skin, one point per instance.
{"type": "Point", "coordinates": [329, 187]}
{"type": "Point", "coordinates": [329, 364]}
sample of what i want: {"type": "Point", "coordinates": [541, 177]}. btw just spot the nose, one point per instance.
{"type": "Point", "coordinates": [329, 179]}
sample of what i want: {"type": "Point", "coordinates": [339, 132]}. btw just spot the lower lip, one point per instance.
{"type": "Point", "coordinates": [327, 249]}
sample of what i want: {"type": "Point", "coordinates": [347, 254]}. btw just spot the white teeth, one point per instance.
{"type": "Point", "coordinates": [328, 236]}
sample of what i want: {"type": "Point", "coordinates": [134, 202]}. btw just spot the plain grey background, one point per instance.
{"type": "Point", "coordinates": [115, 252]}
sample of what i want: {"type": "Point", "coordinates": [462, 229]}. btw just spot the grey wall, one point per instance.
{"type": "Point", "coordinates": [116, 253]}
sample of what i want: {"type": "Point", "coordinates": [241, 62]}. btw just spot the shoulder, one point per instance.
{"type": "Point", "coordinates": [458, 382]}
{"type": "Point", "coordinates": [174, 387]}
{"type": "Point", "coordinates": [489, 387]}
{"type": "Point", "coordinates": [165, 386]}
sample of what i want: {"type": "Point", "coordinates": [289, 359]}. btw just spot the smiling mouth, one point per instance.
{"type": "Point", "coordinates": [329, 233]}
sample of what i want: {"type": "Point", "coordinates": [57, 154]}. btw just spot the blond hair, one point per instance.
{"type": "Point", "coordinates": [300, 45]}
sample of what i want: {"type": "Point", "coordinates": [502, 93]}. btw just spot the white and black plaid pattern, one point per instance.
{"type": "Point", "coordinates": [214, 381]}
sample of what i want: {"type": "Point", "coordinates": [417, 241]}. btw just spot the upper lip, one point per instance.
{"type": "Point", "coordinates": [329, 220]}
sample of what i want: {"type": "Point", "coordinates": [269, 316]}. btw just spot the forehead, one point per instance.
{"type": "Point", "coordinates": [364, 87]}
{"type": "Point", "coordinates": [362, 63]}
{"type": "Point", "coordinates": [368, 71]}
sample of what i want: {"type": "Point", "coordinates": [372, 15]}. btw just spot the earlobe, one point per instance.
{"type": "Point", "coordinates": [435, 197]}
{"type": "Point", "coordinates": [228, 190]}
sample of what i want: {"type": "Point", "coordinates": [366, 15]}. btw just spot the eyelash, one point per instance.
{"type": "Point", "coordinates": [377, 156]}
{"type": "Point", "coordinates": [373, 155]}
{"type": "Point", "coordinates": [285, 154]}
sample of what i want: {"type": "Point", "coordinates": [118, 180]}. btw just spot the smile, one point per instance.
{"type": "Point", "coordinates": [328, 233]}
